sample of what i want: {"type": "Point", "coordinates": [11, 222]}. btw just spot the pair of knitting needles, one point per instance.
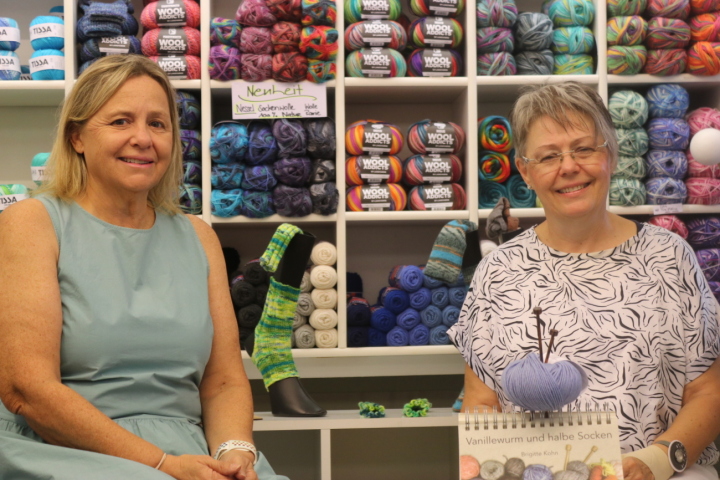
{"type": "Point", "coordinates": [537, 311]}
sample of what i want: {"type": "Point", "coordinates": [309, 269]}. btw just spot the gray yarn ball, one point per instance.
{"type": "Point", "coordinates": [491, 470]}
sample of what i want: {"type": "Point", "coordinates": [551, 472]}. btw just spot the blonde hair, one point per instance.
{"type": "Point", "coordinates": [568, 104]}
{"type": "Point", "coordinates": [67, 171]}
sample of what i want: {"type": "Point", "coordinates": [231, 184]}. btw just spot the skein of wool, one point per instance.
{"type": "Point", "coordinates": [535, 63]}
{"type": "Point", "coordinates": [256, 68]}
{"type": "Point", "coordinates": [225, 63]}
{"type": "Point", "coordinates": [670, 222]}
{"type": "Point", "coordinates": [498, 13]}
{"type": "Point", "coordinates": [320, 71]}
{"type": "Point", "coordinates": [495, 64]}
{"type": "Point", "coordinates": [444, 196]}
{"type": "Point", "coordinates": [438, 32]}
{"type": "Point", "coordinates": [429, 136]}
{"type": "Point", "coordinates": [362, 170]}
{"type": "Point", "coordinates": [255, 13]}
{"type": "Point", "coordinates": [228, 142]}
{"type": "Point", "coordinates": [375, 33]}
{"type": "Point", "coordinates": [322, 171]}
{"type": "Point", "coordinates": [292, 201]}
{"type": "Point", "coordinates": [325, 198]}
{"type": "Point", "coordinates": [697, 169]}
{"type": "Point", "coordinates": [626, 192]}
{"type": "Point", "coordinates": [630, 30]}
{"type": "Point", "coordinates": [667, 33]}
{"type": "Point", "coordinates": [618, 8]}
{"type": "Point", "coordinates": [703, 191]}
{"type": "Point", "coordinates": [262, 146]}
{"type": "Point", "coordinates": [257, 40]}
{"type": "Point", "coordinates": [320, 137]}
{"type": "Point", "coordinates": [665, 190]}
{"type": "Point", "coordinates": [9, 65]}
{"type": "Point", "coordinates": [289, 67]}
{"type": "Point", "coordinates": [666, 163]}
{"type": "Point", "coordinates": [566, 13]}
{"type": "Point", "coordinates": [668, 100]}
{"type": "Point", "coordinates": [668, 8]}
{"type": "Point", "coordinates": [703, 117]}
{"type": "Point", "coordinates": [285, 37]}
{"type": "Point", "coordinates": [294, 172]}
{"type": "Point", "coordinates": [257, 204]}
{"type": "Point", "coordinates": [226, 176]}
{"type": "Point", "coordinates": [626, 60]}
{"type": "Point", "coordinates": [373, 136]}
{"type": "Point", "coordinates": [191, 145]}
{"type": "Point", "coordinates": [386, 197]}
{"type": "Point", "coordinates": [179, 67]}
{"type": "Point", "coordinates": [319, 42]}
{"type": "Point", "coordinates": [702, 6]}
{"type": "Point", "coordinates": [566, 64]}
{"type": "Point", "coordinates": [286, 10]}
{"type": "Point", "coordinates": [666, 62]}
{"type": "Point", "coordinates": [355, 11]}
{"type": "Point", "coordinates": [628, 109]}
{"type": "Point", "coordinates": [433, 168]}
{"type": "Point", "coordinates": [704, 58]}
{"type": "Point", "coordinates": [290, 136]}
{"type": "Point", "coordinates": [573, 40]}
{"type": "Point", "coordinates": [11, 37]}
{"type": "Point", "coordinates": [424, 8]}
{"type": "Point", "coordinates": [258, 178]}
{"type": "Point", "coordinates": [319, 12]}
{"type": "Point", "coordinates": [533, 31]}
{"type": "Point", "coordinates": [169, 41]}
{"type": "Point", "coordinates": [495, 39]}
{"type": "Point", "coordinates": [376, 63]}
{"type": "Point", "coordinates": [177, 14]}
{"type": "Point", "coordinates": [705, 27]}
{"type": "Point", "coordinates": [704, 232]}
{"type": "Point", "coordinates": [225, 31]}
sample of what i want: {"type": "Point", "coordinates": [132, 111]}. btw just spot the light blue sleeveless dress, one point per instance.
{"type": "Point", "coordinates": [136, 337]}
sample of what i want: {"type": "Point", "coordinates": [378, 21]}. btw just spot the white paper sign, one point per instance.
{"type": "Point", "coordinates": [667, 209]}
{"type": "Point", "coordinates": [271, 99]}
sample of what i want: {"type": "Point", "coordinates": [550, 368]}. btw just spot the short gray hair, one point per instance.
{"type": "Point", "coordinates": [558, 102]}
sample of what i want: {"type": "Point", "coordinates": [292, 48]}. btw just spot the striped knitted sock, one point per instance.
{"type": "Point", "coordinates": [446, 258]}
{"type": "Point", "coordinates": [273, 335]}
{"type": "Point", "coordinates": [276, 249]}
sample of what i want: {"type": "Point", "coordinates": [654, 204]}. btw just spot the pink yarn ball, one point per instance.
{"type": "Point", "coordinates": [149, 19]}
{"type": "Point", "coordinates": [255, 13]}
{"type": "Point", "coordinates": [192, 62]}
{"type": "Point", "coordinates": [256, 40]}
{"type": "Point", "coordinates": [697, 169]}
{"type": "Point", "coordinates": [703, 191]}
{"type": "Point", "coordinates": [256, 68]}
{"type": "Point", "coordinates": [469, 467]}
{"type": "Point", "coordinates": [703, 117]}
{"type": "Point", "coordinates": [670, 222]}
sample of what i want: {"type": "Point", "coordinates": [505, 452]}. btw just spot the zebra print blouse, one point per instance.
{"type": "Point", "coordinates": [639, 318]}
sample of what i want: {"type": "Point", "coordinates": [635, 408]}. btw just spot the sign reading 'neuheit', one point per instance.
{"type": "Point", "coordinates": [272, 99]}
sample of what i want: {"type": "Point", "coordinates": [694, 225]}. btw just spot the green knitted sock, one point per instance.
{"type": "Point", "coordinates": [272, 355]}
{"type": "Point", "coordinates": [276, 249]}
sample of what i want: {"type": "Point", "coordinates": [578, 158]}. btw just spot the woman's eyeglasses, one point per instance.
{"type": "Point", "coordinates": [581, 155]}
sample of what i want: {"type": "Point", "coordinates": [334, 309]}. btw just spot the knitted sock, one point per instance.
{"type": "Point", "coordinates": [87, 29]}
{"type": "Point", "coordinates": [276, 249]}
{"type": "Point", "coordinates": [496, 224]}
{"type": "Point", "coordinates": [272, 354]}
{"type": "Point", "coordinates": [128, 4]}
{"type": "Point", "coordinates": [106, 12]}
{"type": "Point", "coordinates": [446, 258]}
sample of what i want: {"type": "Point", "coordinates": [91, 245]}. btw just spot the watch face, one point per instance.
{"type": "Point", "coordinates": [678, 456]}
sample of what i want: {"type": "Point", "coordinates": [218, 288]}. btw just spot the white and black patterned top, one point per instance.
{"type": "Point", "coordinates": [639, 318]}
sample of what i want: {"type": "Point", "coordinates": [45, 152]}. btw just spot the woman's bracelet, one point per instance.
{"type": "Point", "coordinates": [162, 460]}
{"type": "Point", "coordinates": [236, 445]}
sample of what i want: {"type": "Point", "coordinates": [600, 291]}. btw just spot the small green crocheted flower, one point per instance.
{"type": "Point", "coordinates": [417, 407]}
{"type": "Point", "coordinates": [371, 410]}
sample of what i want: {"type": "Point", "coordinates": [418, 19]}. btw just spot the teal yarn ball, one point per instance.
{"type": "Point", "coordinates": [13, 189]}
{"type": "Point", "coordinates": [9, 65]}
{"type": "Point", "coordinates": [566, 64]}
{"type": "Point", "coordinates": [47, 32]}
{"type": "Point", "coordinates": [628, 109]}
{"type": "Point", "coordinates": [573, 40]}
{"type": "Point", "coordinates": [568, 13]}
{"type": "Point", "coordinates": [37, 167]}
{"type": "Point", "coordinates": [627, 192]}
{"type": "Point", "coordinates": [354, 11]}
{"type": "Point", "coordinates": [490, 193]}
{"type": "Point", "coordinates": [533, 31]}
{"type": "Point", "coordinates": [630, 167]}
{"type": "Point", "coordinates": [632, 142]}
{"type": "Point", "coordinates": [47, 65]}
{"type": "Point", "coordinates": [11, 33]}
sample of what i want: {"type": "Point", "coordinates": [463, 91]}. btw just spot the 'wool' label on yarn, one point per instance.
{"type": "Point", "coordinates": [47, 62]}
{"type": "Point", "coordinates": [175, 67]}
{"type": "Point", "coordinates": [376, 33]}
{"type": "Point", "coordinates": [374, 169]}
{"type": "Point", "coordinates": [436, 168]}
{"type": "Point", "coordinates": [437, 31]}
{"type": "Point", "coordinates": [436, 62]}
{"type": "Point", "coordinates": [9, 34]}
{"type": "Point", "coordinates": [44, 30]}
{"type": "Point", "coordinates": [11, 63]}
{"type": "Point", "coordinates": [375, 62]}
{"type": "Point", "coordinates": [377, 138]}
{"type": "Point", "coordinates": [7, 200]}
{"type": "Point", "coordinates": [119, 45]}
{"type": "Point", "coordinates": [443, 7]}
{"type": "Point", "coordinates": [375, 198]}
{"type": "Point", "coordinates": [169, 14]}
{"type": "Point", "coordinates": [171, 41]}
{"type": "Point", "coordinates": [440, 137]}
{"type": "Point", "coordinates": [438, 197]}
{"type": "Point", "coordinates": [374, 9]}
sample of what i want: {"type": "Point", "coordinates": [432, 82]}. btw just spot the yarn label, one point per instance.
{"type": "Point", "coordinates": [7, 200]}
{"type": "Point", "coordinates": [171, 40]}
{"type": "Point", "coordinates": [375, 62]}
{"type": "Point", "coordinates": [437, 32]}
{"type": "Point", "coordinates": [374, 168]}
{"type": "Point", "coordinates": [38, 174]}
{"type": "Point", "coordinates": [47, 62]}
{"type": "Point", "coordinates": [667, 209]}
{"type": "Point", "coordinates": [438, 197]}
{"type": "Point", "coordinates": [375, 198]}
{"type": "Point", "coordinates": [45, 30]}
{"type": "Point", "coordinates": [170, 13]}
{"type": "Point", "coordinates": [11, 63]}
{"type": "Point", "coordinates": [377, 138]}
{"type": "Point", "coordinates": [436, 62]}
{"type": "Point", "coordinates": [440, 138]}
{"type": "Point", "coordinates": [374, 9]}
{"type": "Point", "coordinates": [119, 45]}
{"type": "Point", "coordinates": [174, 67]}
{"type": "Point", "coordinates": [443, 7]}
{"type": "Point", "coordinates": [436, 168]}
{"type": "Point", "coordinates": [272, 99]}
{"type": "Point", "coordinates": [376, 33]}
{"type": "Point", "coordinates": [9, 34]}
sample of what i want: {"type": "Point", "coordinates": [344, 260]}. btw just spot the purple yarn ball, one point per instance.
{"type": "Point", "coordinates": [262, 146]}
{"type": "Point", "coordinates": [291, 137]}
{"type": "Point", "coordinates": [256, 68]}
{"type": "Point", "coordinates": [294, 172]}
{"type": "Point", "coordinates": [259, 178]}
{"type": "Point", "coordinates": [256, 40]}
{"type": "Point", "coordinates": [255, 13]}
{"type": "Point", "coordinates": [224, 63]}
{"type": "Point", "coordinates": [704, 232]}
{"type": "Point", "coordinates": [292, 201]}
{"type": "Point", "coordinates": [709, 260]}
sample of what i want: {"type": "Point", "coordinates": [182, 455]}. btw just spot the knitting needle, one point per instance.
{"type": "Point", "coordinates": [553, 332]}
{"type": "Point", "coordinates": [537, 311]}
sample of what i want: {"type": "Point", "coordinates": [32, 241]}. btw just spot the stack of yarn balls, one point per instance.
{"type": "Point", "coordinates": [47, 38]}
{"type": "Point", "coordinates": [496, 168]}
{"type": "Point", "coordinates": [573, 42]}
{"type": "Point", "coordinates": [101, 20]}
{"type": "Point", "coordinates": [496, 40]}
{"type": "Point", "coordinates": [414, 309]}
{"type": "Point", "coordinates": [38, 171]}
{"type": "Point", "coordinates": [9, 42]}
{"type": "Point", "coordinates": [12, 193]}
{"type": "Point", "coordinates": [436, 39]}
{"type": "Point", "coordinates": [248, 289]}
{"type": "Point", "coordinates": [664, 37]}
{"type": "Point", "coordinates": [172, 37]}
{"type": "Point", "coordinates": [316, 318]}
{"type": "Point", "coordinates": [431, 176]}
{"type": "Point", "coordinates": [283, 40]}
{"type": "Point", "coordinates": [189, 117]}
{"type": "Point", "coordinates": [285, 167]}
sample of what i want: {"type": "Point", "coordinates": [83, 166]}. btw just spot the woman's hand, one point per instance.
{"type": "Point", "coordinates": [635, 469]}
{"type": "Point", "coordinates": [243, 458]}
{"type": "Point", "coordinates": [201, 467]}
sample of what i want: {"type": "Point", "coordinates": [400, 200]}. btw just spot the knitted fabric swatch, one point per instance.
{"type": "Point", "coordinates": [276, 249]}
{"type": "Point", "coordinates": [446, 257]}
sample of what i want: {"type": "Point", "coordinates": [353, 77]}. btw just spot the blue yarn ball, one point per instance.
{"type": "Point", "coordinates": [537, 386]}
{"type": "Point", "coordinates": [52, 30]}
{"type": "Point", "coordinates": [668, 133]}
{"type": "Point", "coordinates": [188, 110]}
{"type": "Point", "coordinates": [668, 100]}
{"type": "Point", "coordinates": [704, 232]}
{"type": "Point", "coordinates": [9, 66]}
{"type": "Point", "coordinates": [9, 29]}
{"type": "Point", "coordinates": [666, 163]}
{"type": "Point", "coordinates": [191, 199]}
{"type": "Point", "coordinates": [450, 315]}
{"type": "Point", "coordinates": [259, 178]}
{"type": "Point", "coordinates": [226, 176]}
{"type": "Point", "coordinates": [262, 146]}
{"type": "Point", "coordinates": [47, 65]}
{"type": "Point", "coordinates": [192, 172]}
{"type": "Point", "coordinates": [228, 142]}
{"type": "Point", "coordinates": [439, 336]}
{"type": "Point", "coordinates": [665, 190]}
{"type": "Point", "coordinates": [537, 472]}
{"type": "Point", "coordinates": [431, 316]}
{"type": "Point", "coordinates": [257, 204]}
{"type": "Point", "coordinates": [226, 203]}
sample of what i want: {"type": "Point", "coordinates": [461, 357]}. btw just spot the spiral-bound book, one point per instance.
{"type": "Point", "coordinates": [578, 445]}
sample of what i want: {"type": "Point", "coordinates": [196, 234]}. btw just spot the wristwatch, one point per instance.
{"type": "Point", "coordinates": [676, 453]}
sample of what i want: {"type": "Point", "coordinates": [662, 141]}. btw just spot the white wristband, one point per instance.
{"type": "Point", "coordinates": [656, 459]}
{"type": "Point", "coordinates": [225, 447]}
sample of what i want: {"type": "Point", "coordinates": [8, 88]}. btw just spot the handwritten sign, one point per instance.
{"type": "Point", "coordinates": [272, 99]}
{"type": "Point", "coordinates": [667, 209]}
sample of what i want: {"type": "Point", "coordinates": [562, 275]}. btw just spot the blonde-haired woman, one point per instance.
{"type": "Point", "coordinates": [120, 348]}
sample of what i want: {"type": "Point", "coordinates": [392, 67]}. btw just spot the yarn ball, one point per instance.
{"type": "Point", "coordinates": [702, 118]}
{"type": "Point", "coordinates": [225, 31]}
{"type": "Point", "coordinates": [325, 198]}
{"type": "Point", "coordinates": [188, 110]}
{"type": "Point", "coordinates": [226, 176]}
{"type": "Point", "coordinates": [626, 60]}
{"type": "Point", "coordinates": [262, 146]}
{"type": "Point", "coordinates": [666, 62]}
{"type": "Point", "coordinates": [702, 6]}
{"type": "Point", "coordinates": [443, 196]}
{"type": "Point", "coordinates": [320, 137]}
{"type": "Point", "coordinates": [496, 13]}
{"type": "Point", "coordinates": [285, 37]}
{"type": "Point", "coordinates": [514, 466]}
{"type": "Point", "coordinates": [420, 169]}
{"type": "Point", "coordinates": [629, 30]}
{"type": "Point", "coordinates": [705, 27]}
{"type": "Point", "coordinates": [537, 472]}
{"type": "Point", "coordinates": [534, 31]}
{"type": "Point", "coordinates": [289, 67]}
{"type": "Point", "coordinates": [294, 172]}
{"type": "Point", "coordinates": [9, 65]}
{"type": "Point", "coordinates": [518, 193]}
{"type": "Point", "coordinates": [319, 12]}
{"type": "Point", "coordinates": [495, 133]}
{"type": "Point", "coordinates": [179, 67]}
{"type": "Point", "coordinates": [319, 42]}
{"type": "Point", "coordinates": [424, 8]}
{"type": "Point", "coordinates": [361, 170]}
{"type": "Point", "coordinates": [537, 386]}
{"type": "Point", "coordinates": [322, 171]}
{"type": "Point", "coordinates": [469, 467]}
{"type": "Point", "coordinates": [373, 136]}
{"type": "Point", "coordinates": [257, 204]}
{"type": "Point", "coordinates": [668, 8]}
{"type": "Point", "coordinates": [626, 192]}
{"type": "Point", "coordinates": [429, 136]}
{"type": "Point", "coordinates": [491, 470]}
{"type": "Point", "coordinates": [573, 40]}
{"type": "Point", "coordinates": [630, 167]}
{"type": "Point", "coordinates": [167, 41]}
{"type": "Point", "coordinates": [703, 191]}
{"type": "Point", "coordinates": [320, 72]}
{"type": "Point", "coordinates": [566, 64]}
{"type": "Point", "coordinates": [37, 167]}
{"type": "Point", "coordinates": [390, 34]}
{"type": "Point", "coordinates": [632, 142]}
{"type": "Point", "coordinates": [47, 32]}
{"type": "Point", "coordinates": [567, 13]}
{"type": "Point", "coordinates": [628, 109]}
{"type": "Point", "coordinates": [12, 34]}
{"type": "Point", "coordinates": [257, 40]}
{"type": "Point", "coordinates": [670, 222]}
{"type": "Point", "coordinates": [435, 32]}
{"type": "Point", "coordinates": [228, 142]}
{"type": "Point", "coordinates": [709, 260]}
{"type": "Point", "coordinates": [290, 136]}
{"type": "Point", "coordinates": [388, 196]}
{"type": "Point", "coordinates": [493, 166]}
{"type": "Point", "coordinates": [286, 10]}
{"type": "Point", "coordinates": [665, 190]}
{"type": "Point", "coordinates": [292, 201]}
{"type": "Point", "coordinates": [667, 33]}
{"type": "Point", "coordinates": [355, 11]}
{"type": "Point", "coordinates": [256, 68]}
{"type": "Point", "coordinates": [535, 63]}
{"type": "Point", "coordinates": [47, 65]}
{"type": "Point", "coordinates": [704, 58]}
{"type": "Point", "coordinates": [704, 232]}
{"type": "Point", "coordinates": [191, 145]}
{"type": "Point", "coordinates": [170, 16]}
{"type": "Point", "coordinates": [388, 63]}
{"type": "Point", "coordinates": [626, 7]}
{"type": "Point", "coordinates": [259, 178]}
{"type": "Point", "coordinates": [226, 203]}
{"type": "Point", "coordinates": [495, 64]}
{"type": "Point", "coordinates": [697, 169]}
{"type": "Point", "coordinates": [667, 163]}
{"type": "Point", "coordinates": [224, 63]}
{"type": "Point", "coordinates": [668, 100]}
{"type": "Point", "coordinates": [495, 39]}
{"type": "Point", "coordinates": [190, 199]}
{"type": "Point", "coordinates": [255, 13]}
{"type": "Point", "coordinates": [668, 133]}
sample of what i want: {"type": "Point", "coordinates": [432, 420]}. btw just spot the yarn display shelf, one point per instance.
{"type": "Point", "coordinates": [220, 85]}
{"type": "Point", "coordinates": [493, 89]}
{"type": "Point", "coordinates": [516, 212]}
{"type": "Point", "coordinates": [648, 209]}
{"type": "Point", "coordinates": [312, 218]}
{"type": "Point", "coordinates": [31, 93]}
{"type": "Point", "coordinates": [186, 84]}
{"type": "Point", "coordinates": [405, 89]}
{"type": "Point", "coordinates": [684, 78]}
{"type": "Point", "coordinates": [407, 216]}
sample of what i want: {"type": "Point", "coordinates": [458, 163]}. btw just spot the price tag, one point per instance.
{"type": "Point", "coordinates": [45, 30]}
{"type": "Point", "coordinates": [271, 99]}
{"type": "Point", "coordinates": [9, 34]}
{"type": "Point", "coordinates": [667, 209]}
{"type": "Point", "coordinates": [38, 174]}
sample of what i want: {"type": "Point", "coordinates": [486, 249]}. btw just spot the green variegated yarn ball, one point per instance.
{"type": "Point", "coordinates": [630, 167]}
{"type": "Point", "coordinates": [626, 192]}
{"type": "Point", "coordinates": [628, 109]}
{"type": "Point", "coordinates": [632, 142]}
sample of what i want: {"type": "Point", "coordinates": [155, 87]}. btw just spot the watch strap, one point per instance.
{"type": "Point", "coordinates": [230, 445]}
